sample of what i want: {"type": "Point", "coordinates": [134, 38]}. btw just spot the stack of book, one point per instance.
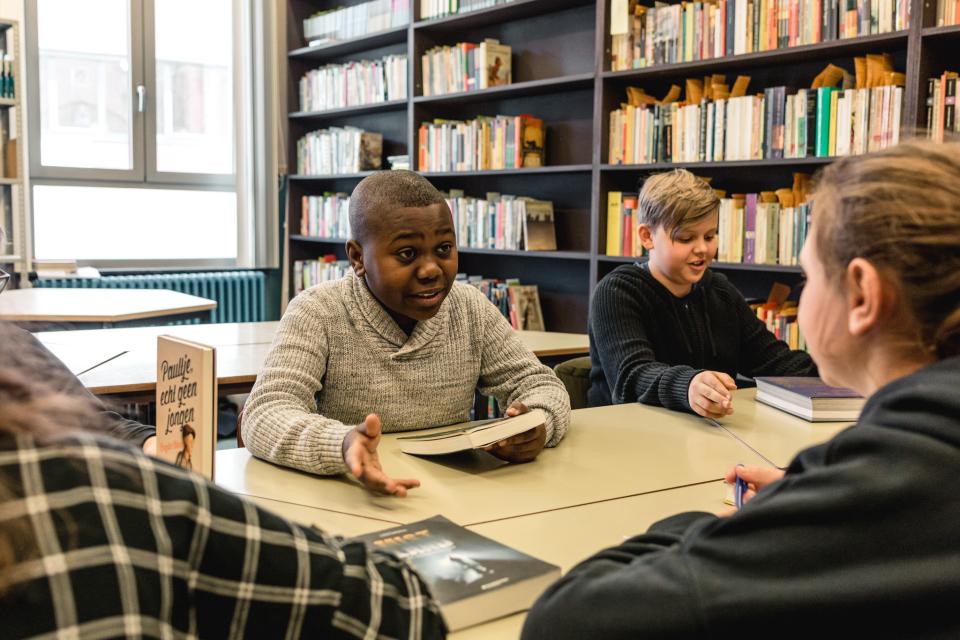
{"type": "Point", "coordinates": [622, 239]}
{"type": "Point", "coordinates": [356, 21]}
{"type": "Point", "coordinates": [715, 125]}
{"type": "Point", "coordinates": [307, 273]}
{"type": "Point", "coordinates": [942, 106]}
{"type": "Point", "coordinates": [465, 67]}
{"type": "Point", "coordinates": [326, 216]}
{"type": "Point", "coordinates": [519, 303]}
{"type": "Point", "coordinates": [643, 36]}
{"type": "Point", "coordinates": [502, 222]}
{"type": "Point", "coordinates": [339, 150]}
{"type": "Point", "coordinates": [354, 83]}
{"type": "Point", "coordinates": [948, 12]}
{"type": "Point", "coordinates": [501, 142]}
{"type": "Point", "coordinates": [440, 8]}
{"type": "Point", "coordinates": [399, 162]}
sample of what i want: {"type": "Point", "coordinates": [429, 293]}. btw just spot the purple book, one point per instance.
{"type": "Point", "coordinates": [750, 229]}
{"type": "Point", "coordinates": [809, 398]}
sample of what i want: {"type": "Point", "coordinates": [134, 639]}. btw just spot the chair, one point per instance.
{"type": "Point", "coordinates": [575, 375]}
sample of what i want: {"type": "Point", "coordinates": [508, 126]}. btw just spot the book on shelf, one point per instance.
{"type": "Point", "coordinates": [441, 8]}
{"type": "Point", "coordinates": [942, 106]}
{"type": "Point", "coordinates": [644, 36]}
{"type": "Point", "coordinates": [809, 398]}
{"type": "Point", "coordinates": [186, 398]}
{"type": "Point", "coordinates": [359, 20]}
{"type": "Point", "coordinates": [499, 142]}
{"type": "Point", "coordinates": [7, 82]}
{"type": "Point", "coordinates": [622, 225]}
{"type": "Point", "coordinates": [473, 578]}
{"type": "Point", "coordinates": [518, 303]}
{"type": "Point", "coordinates": [948, 13]}
{"type": "Point", "coordinates": [339, 150]}
{"type": "Point", "coordinates": [307, 273]}
{"type": "Point", "coordinates": [779, 314]}
{"type": "Point", "coordinates": [466, 66]}
{"type": "Point", "coordinates": [356, 83]}
{"type": "Point", "coordinates": [326, 216]}
{"type": "Point", "coordinates": [399, 161]}
{"type": "Point", "coordinates": [501, 221]}
{"type": "Point", "coordinates": [470, 435]}
{"type": "Point", "coordinates": [822, 121]}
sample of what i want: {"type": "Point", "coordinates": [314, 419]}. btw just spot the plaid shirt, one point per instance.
{"type": "Point", "coordinates": [126, 545]}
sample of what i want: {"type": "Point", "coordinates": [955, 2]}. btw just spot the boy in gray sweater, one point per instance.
{"type": "Point", "coordinates": [394, 346]}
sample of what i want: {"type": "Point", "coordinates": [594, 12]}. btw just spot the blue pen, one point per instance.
{"type": "Point", "coordinates": [740, 489]}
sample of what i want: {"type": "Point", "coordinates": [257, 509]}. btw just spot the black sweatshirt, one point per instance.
{"type": "Point", "coordinates": [646, 344]}
{"type": "Point", "coordinates": [20, 351]}
{"type": "Point", "coordinates": [863, 531]}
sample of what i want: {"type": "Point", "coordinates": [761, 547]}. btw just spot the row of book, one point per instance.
{"type": "Point", "coordinates": [948, 12]}
{"type": "Point", "coordinates": [354, 83]}
{"type": "Point", "coordinates": [307, 273]}
{"type": "Point", "coordinates": [622, 225]}
{"type": "Point", "coordinates": [761, 229]}
{"type": "Point", "coordinates": [519, 303]}
{"type": "Point", "coordinates": [781, 321]}
{"type": "Point", "coordinates": [326, 216]}
{"type": "Point", "coordinates": [353, 22]}
{"type": "Point", "coordinates": [465, 67]}
{"type": "Point", "coordinates": [643, 36]}
{"type": "Point", "coordinates": [441, 8]}
{"type": "Point", "coordinates": [500, 142]}
{"type": "Point", "coordinates": [822, 122]}
{"type": "Point", "coordinates": [7, 84]}
{"type": "Point", "coordinates": [503, 222]}
{"type": "Point", "coordinates": [339, 150]}
{"type": "Point", "coordinates": [942, 106]}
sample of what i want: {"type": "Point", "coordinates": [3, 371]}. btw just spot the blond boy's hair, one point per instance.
{"type": "Point", "coordinates": [675, 199]}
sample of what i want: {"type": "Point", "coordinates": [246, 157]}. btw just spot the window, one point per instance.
{"type": "Point", "coordinates": [144, 118]}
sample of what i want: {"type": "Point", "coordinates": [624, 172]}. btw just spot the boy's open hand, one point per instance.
{"type": "Point", "coordinates": [360, 454]}
{"type": "Point", "coordinates": [709, 394]}
{"type": "Point", "coordinates": [523, 447]}
{"type": "Point", "coordinates": [755, 477]}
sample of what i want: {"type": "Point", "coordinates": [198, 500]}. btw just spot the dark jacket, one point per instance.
{"type": "Point", "coordinates": [863, 531]}
{"type": "Point", "coordinates": [646, 344]}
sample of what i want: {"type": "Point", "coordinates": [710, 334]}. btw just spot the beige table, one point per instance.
{"type": "Point", "coordinates": [609, 452]}
{"type": "Point", "coordinates": [774, 434]}
{"type": "Point", "coordinates": [99, 306]}
{"type": "Point", "coordinates": [241, 350]}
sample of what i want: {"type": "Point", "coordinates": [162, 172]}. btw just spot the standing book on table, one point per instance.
{"type": "Point", "coordinates": [475, 579]}
{"type": "Point", "coordinates": [186, 404]}
{"type": "Point", "coordinates": [809, 398]}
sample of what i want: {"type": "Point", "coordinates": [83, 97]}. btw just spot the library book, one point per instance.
{"type": "Point", "coordinates": [809, 398]}
{"type": "Point", "coordinates": [475, 579]}
{"type": "Point", "coordinates": [471, 435]}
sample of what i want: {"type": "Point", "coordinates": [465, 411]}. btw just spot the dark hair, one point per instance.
{"type": "Point", "coordinates": [386, 190]}
{"type": "Point", "coordinates": [898, 208]}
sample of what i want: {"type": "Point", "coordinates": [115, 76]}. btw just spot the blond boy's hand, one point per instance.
{"type": "Point", "coordinates": [360, 454]}
{"type": "Point", "coordinates": [709, 394]}
{"type": "Point", "coordinates": [523, 447]}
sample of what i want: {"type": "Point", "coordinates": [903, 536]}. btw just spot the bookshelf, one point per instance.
{"type": "Point", "coordinates": [15, 254]}
{"type": "Point", "coordinates": [561, 73]}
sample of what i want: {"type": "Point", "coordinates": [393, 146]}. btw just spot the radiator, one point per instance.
{"type": "Point", "coordinates": [239, 294]}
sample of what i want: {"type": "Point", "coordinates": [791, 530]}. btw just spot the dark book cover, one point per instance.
{"type": "Point", "coordinates": [808, 387]}
{"type": "Point", "coordinates": [464, 568]}
{"type": "Point", "coordinates": [768, 98]}
{"type": "Point", "coordinates": [811, 122]}
{"type": "Point", "coordinates": [949, 104]}
{"type": "Point", "coordinates": [702, 156]}
{"type": "Point", "coordinates": [731, 26]}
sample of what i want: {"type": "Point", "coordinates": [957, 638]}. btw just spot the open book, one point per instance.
{"type": "Point", "coordinates": [471, 435]}
{"type": "Point", "coordinates": [474, 578]}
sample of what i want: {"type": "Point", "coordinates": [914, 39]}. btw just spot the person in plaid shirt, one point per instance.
{"type": "Point", "coordinates": [99, 540]}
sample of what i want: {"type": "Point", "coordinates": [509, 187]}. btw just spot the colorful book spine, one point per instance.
{"type": "Point", "coordinates": [354, 84]}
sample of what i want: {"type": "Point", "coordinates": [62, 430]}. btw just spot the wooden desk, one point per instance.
{"type": "Point", "coordinates": [105, 307]}
{"type": "Point", "coordinates": [609, 452]}
{"type": "Point", "coordinates": [241, 349]}
{"type": "Point", "coordinates": [772, 433]}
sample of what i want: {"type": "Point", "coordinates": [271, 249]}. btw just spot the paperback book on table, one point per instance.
{"type": "Point", "coordinates": [809, 398]}
{"type": "Point", "coordinates": [471, 435]}
{"type": "Point", "coordinates": [474, 578]}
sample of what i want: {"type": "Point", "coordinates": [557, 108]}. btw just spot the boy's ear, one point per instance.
{"type": "Point", "coordinates": [645, 233]}
{"type": "Point", "coordinates": [355, 256]}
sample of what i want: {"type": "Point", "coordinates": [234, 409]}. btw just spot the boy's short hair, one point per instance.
{"type": "Point", "coordinates": [675, 199]}
{"type": "Point", "coordinates": [386, 190]}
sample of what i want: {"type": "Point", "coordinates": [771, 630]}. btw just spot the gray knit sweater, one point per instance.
{"type": "Point", "coordinates": [339, 356]}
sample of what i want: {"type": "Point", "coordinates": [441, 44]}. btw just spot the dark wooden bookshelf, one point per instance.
{"type": "Point", "coordinates": [375, 107]}
{"type": "Point", "coordinates": [332, 176]}
{"type": "Point", "coordinates": [561, 73]}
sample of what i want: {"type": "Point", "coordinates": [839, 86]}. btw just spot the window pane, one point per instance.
{"type": "Point", "coordinates": [85, 100]}
{"type": "Point", "coordinates": [194, 98]}
{"type": "Point", "coordinates": [108, 223]}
